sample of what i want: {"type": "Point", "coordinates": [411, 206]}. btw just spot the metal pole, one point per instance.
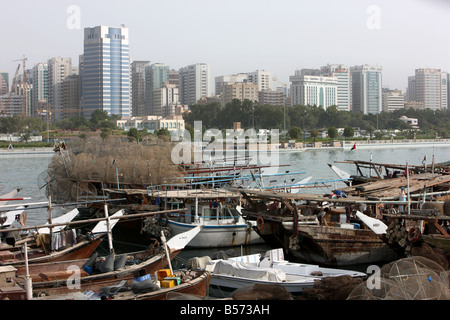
{"type": "Point", "coordinates": [108, 228]}
{"type": "Point", "coordinates": [163, 239]}
{"type": "Point", "coordinates": [407, 179]}
{"type": "Point", "coordinates": [28, 280]}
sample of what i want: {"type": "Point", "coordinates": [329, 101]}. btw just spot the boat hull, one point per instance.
{"type": "Point", "coordinates": [94, 283]}
{"type": "Point", "coordinates": [437, 241]}
{"type": "Point", "coordinates": [81, 250]}
{"type": "Point", "coordinates": [197, 287]}
{"type": "Point", "coordinates": [336, 246]}
{"type": "Point", "coordinates": [213, 236]}
{"type": "Point", "coordinates": [229, 283]}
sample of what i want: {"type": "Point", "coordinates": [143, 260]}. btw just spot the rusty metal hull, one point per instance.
{"type": "Point", "coordinates": [339, 246]}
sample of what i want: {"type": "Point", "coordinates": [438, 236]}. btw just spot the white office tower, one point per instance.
{"type": "Point", "coordinates": [344, 85]}
{"type": "Point", "coordinates": [265, 80]}
{"type": "Point", "coordinates": [39, 97]}
{"type": "Point", "coordinates": [431, 88]}
{"type": "Point", "coordinates": [195, 83]}
{"type": "Point", "coordinates": [313, 90]}
{"type": "Point", "coordinates": [393, 100]}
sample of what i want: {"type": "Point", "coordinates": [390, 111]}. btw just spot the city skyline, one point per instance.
{"type": "Point", "coordinates": [280, 37]}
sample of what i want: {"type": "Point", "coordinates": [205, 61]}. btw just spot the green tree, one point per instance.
{"type": "Point", "coordinates": [295, 132]}
{"type": "Point", "coordinates": [25, 136]}
{"type": "Point", "coordinates": [163, 132]}
{"type": "Point", "coordinates": [314, 134]}
{"type": "Point", "coordinates": [106, 132]}
{"type": "Point", "coordinates": [349, 132]}
{"type": "Point", "coordinates": [134, 134]}
{"type": "Point", "coordinates": [332, 132]}
{"type": "Point", "coordinates": [379, 135]}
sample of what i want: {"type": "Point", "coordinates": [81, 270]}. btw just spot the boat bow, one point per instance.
{"type": "Point", "coordinates": [179, 241]}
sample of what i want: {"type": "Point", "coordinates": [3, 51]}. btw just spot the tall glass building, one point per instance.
{"type": "Point", "coordinates": [366, 89]}
{"type": "Point", "coordinates": [105, 71]}
{"type": "Point", "coordinates": [40, 88]}
{"type": "Point", "coordinates": [155, 76]}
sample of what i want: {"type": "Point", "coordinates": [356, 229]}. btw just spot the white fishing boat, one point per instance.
{"type": "Point", "coordinates": [7, 218]}
{"type": "Point", "coordinates": [216, 210]}
{"type": "Point", "coordinates": [235, 273]}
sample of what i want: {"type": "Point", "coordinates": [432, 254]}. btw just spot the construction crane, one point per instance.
{"type": "Point", "coordinates": [24, 103]}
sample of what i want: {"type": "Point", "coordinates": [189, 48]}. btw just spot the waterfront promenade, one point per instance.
{"type": "Point", "coordinates": [282, 148]}
{"type": "Point", "coordinates": [25, 152]}
{"type": "Point", "coordinates": [364, 144]}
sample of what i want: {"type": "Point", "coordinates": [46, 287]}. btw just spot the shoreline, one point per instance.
{"type": "Point", "coordinates": [376, 144]}
{"type": "Point", "coordinates": [345, 145]}
{"type": "Point", "coordinates": [26, 152]}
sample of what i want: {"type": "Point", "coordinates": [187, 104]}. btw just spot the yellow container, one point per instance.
{"type": "Point", "coordinates": [163, 273]}
{"type": "Point", "coordinates": [167, 283]}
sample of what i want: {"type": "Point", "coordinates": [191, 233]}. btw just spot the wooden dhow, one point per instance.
{"type": "Point", "coordinates": [65, 277]}
{"type": "Point", "coordinates": [335, 242]}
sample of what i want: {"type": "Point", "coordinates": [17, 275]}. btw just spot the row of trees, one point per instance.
{"type": "Point", "coordinates": [253, 115]}
{"type": "Point", "coordinates": [99, 120]}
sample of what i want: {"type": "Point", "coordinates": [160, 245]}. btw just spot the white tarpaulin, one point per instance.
{"type": "Point", "coordinates": [69, 216]}
{"type": "Point", "coordinates": [102, 226]}
{"type": "Point", "coordinates": [239, 269]}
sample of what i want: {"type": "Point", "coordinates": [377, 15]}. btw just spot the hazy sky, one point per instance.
{"type": "Point", "coordinates": [240, 35]}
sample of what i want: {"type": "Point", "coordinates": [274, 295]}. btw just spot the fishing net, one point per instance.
{"type": "Point", "coordinates": [81, 171]}
{"type": "Point", "coordinates": [416, 278]}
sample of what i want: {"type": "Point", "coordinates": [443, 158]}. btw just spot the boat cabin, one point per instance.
{"type": "Point", "coordinates": [202, 212]}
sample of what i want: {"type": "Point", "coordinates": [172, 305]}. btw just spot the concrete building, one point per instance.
{"type": "Point", "coordinates": [25, 91]}
{"type": "Point", "coordinates": [155, 76]}
{"type": "Point", "coordinates": [413, 122]}
{"type": "Point", "coordinates": [138, 87]}
{"type": "Point", "coordinates": [241, 91]}
{"type": "Point", "coordinates": [313, 90]}
{"type": "Point", "coordinates": [39, 99]}
{"type": "Point", "coordinates": [367, 89]}
{"type": "Point", "coordinates": [174, 77]}
{"type": "Point", "coordinates": [4, 83]}
{"type": "Point", "coordinates": [195, 83]}
{"type": "Point", "coordinates": [265, 80]}
{"type": "Point", "coordinates": [393, 100]}
{"type": "Point", "coordinates": [11, 104]}
{"type": "Point", "coordinates": [274, 98]}
{"type": "Point", "coordinates": [411, 89]}
{"type": "Point", "coordinates": [165, 100]}
{"type": "Point", "coordinates": [58, 70]}
{"type": "Point", "coordinates": [105, 71]}
{"type": "Point", "coordinates": [224, 80]}
{"type": "Point", "coordinates": [152, 123]}
{"type": "Point", "coordinates": [71, 97]}
{"type": "Point", "coordinates": [414, 105]}
{"type": "Point", "coordinates": [431, 88]}
{"type": "Point", "coordinates": [344, 85]}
